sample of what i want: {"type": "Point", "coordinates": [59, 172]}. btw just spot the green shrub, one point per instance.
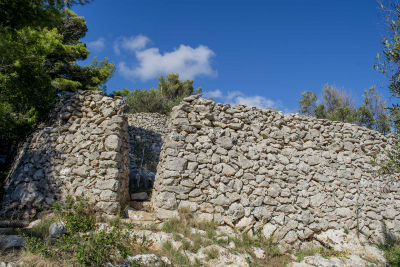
{"type": "Point", "coordinates": [78, 215]}
{"type": "Point", "coordinates": [94, 249]}
{"type": "Point", "coordinates": [98, 248]}
{"type": "Point", "coordinates": [392, 251]}
{"type": "Point", "coordinates": [41, 230]}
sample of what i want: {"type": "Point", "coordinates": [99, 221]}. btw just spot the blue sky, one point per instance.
{"type": "Point", "coordinates": [261, 53]}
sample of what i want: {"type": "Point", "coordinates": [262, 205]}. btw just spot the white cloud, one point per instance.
{"type": "Point", "coordinates": [97, 45]}
{"type": "Point", "coordinates": [133, 43]}
{"type": "Point", "coordinates": [214, 94]}
{"type": "Point", "coordinates": [188, 62]}
{"type": "Point", "coordinates": [237, 97]}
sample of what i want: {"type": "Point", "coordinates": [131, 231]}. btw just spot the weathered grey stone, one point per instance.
{"type": "Point", "coordinates": [113, 143]}
{"type": "Point", "coordinates": [167, 200]}
{"type": "Point", "coordinates": [220, 200]}
{"type": "Point", "coordinates": [56, 230]}
{"type": "Point", "coordinates": [149, 260]}
{"type": "Point", "coordinates": [274, 191]}
{"type": "Point", "coordinates": [235, 212]}
{"type": "Point", "coordinates": [228, 170]}
{"type": "Point", "coordinates": [187, 205]}
{"type": "Point", "coordinates": [177, 189]}
{"type": "Point", "coordinates": [268, 230]}
{"type": "Point", "coordinates": [224, 142]}
{"type": "Point", "coordinates": [81, 171]}
{"type": "Point", "coordinates": [176, 164]}
{"type": "Point", "coordinates": [108, 184]}
{"type": "Point", "coordinates": [163, 214]}
{"type": "Point", "coordinates": [11, 241]}
{"type": "Point", "coordinates": [141, 196]}
{"type": "Point", "coordinates": [108, 207]}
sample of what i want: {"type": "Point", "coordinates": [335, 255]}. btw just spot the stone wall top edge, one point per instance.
{"type": "Point", "coordinates": [291, 116]}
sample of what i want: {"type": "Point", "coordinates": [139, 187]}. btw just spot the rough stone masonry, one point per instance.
{"type": "Point", "coordinates": [253, 169]}
{"type": "Point", "coordinates": [287, 175]}
{"type": "Point", "coordinates": [83, 151]}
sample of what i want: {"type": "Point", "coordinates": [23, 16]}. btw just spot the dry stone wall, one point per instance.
{"type": "Point", "coordinates": [83, 151]}
{"type": "Point", "coordinates": [151, 128]}
{"type": "Point", "coordinates": [287, 175]}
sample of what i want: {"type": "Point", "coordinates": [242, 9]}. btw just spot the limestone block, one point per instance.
{"type": "Point", "coordinates": [176, 164]}
{"type": "Point", "coordinates": [108, 207]}
{"type": "Point", "coordinates": [224, 142]}
{"type": "Point", "coordinates": [163, 214]}
{"type": "Point", "coordinates": [81, 171]}
{"type": "Point", "coordinates": [11, 241]}
{"type": "Point", "coordinates": [108, 184]}
{"type": "Point", "coordinates": [141, 196]}
{"type": "Point", "coordinates": [189, 206]}
{"type": "Point", "coordinates": [113, 143]}
{"type": "Point", "coordinates": [228, 170]}
{"type": "Point", "coordinates": [166, 200]}
{"type": "Point", "coordinates": [235, 211]}
{"type": "Point", "coordinates": [56, 230]}
{"type": "Point", "coordinates": [268, 230]}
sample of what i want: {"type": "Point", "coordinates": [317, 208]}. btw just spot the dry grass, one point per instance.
{"type": "Point", "coordinates": [26, 259]}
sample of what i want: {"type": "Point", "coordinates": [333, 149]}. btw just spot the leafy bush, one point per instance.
{"type": "Point", "coordinates": [94, 249]}
{"type": "Point", "coordinates": [79, 246]}
{"type": "Point", "coordinates": [78, 215]}
{"type": "Point", "coordinates": [392, 252]}
{"type": "Point", "coordinates": [169, 93]}
{"type": "Point", "coordinates": [98, 248]}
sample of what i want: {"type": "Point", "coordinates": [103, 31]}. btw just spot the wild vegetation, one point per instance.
{"type": "Point", "coordinates": [82, 245]}
{"type": "Point", "coordinates": [339, 105]}
{"type": "Point", "coordinates": [169, 93]}
{"type": "Point", "coordinates": [39, 49]}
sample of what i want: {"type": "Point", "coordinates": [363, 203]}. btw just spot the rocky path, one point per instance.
{"type": "Point", "coordinates": [345, 249]}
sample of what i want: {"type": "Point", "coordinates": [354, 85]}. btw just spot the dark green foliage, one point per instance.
{"type": "Point", "coordinates": [392, 251]}
{"type": "Point", "coordinates": [340, 106]}
{"type": "Point", "coordinates": [305, 253]}
{"type": "Point", "coordinates": [308, 103]}
{"type": "Point", "coordinates": [78, 214]}
{"type": "Point", "coordinates": [96, 249]}
{"type": "Point", "coordinates": [41, 230]}
{"type": "Point", "coordinates": [148, 101]}
{"type": "Point", "coordinates": [212, 253]}
{"type": "Point", "coordinates": [388, 161]}
{"type": "Point", "coordinates": [39, 49]}
{"type": "Point", "coordinates": [174, 89]}
{"type": "Point", "coordinates": [83, 249]}
{"type": "Point", "coordinates": [17, 14]}
{"type": "Point", "coordinates": [93, 249]}
{"type": "Point", "coordinates": [389, 63]}
{"type": "Point", "coordinates": [171, 91]}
